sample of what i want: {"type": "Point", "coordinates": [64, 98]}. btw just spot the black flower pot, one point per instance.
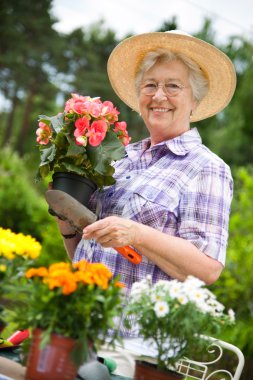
{"type": "Point", "coordinates": [78, 187]}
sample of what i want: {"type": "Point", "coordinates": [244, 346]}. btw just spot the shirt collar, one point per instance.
{"type": "Point", "coordinates": [180, 145]}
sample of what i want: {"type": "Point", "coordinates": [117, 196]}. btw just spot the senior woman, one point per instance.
{"type": "Point", "coordinates": [172, 196]}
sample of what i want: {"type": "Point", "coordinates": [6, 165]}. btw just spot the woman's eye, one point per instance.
{"type": "Point", "coordinates": [150, 85]}
{"type": "Point", "coordinates": [173, 86]}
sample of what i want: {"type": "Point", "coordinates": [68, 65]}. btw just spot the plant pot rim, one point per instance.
{"type": "Point", "coordinates": [145, 363]}
{"type": "Point", "coordinates": [41, 331]}
{"type": "Point", "coordinates": [75, 175]}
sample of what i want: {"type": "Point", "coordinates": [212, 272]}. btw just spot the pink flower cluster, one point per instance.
{"type": "Point", "coordinates": [94, 118]}
{"type": "Point", "coordinates": [44, 133]}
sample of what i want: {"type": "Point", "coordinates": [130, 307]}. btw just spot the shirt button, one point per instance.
{"type": "Point", "coordinates": [110, 194]}
{"type": "Point", "coordinates": [127, 177]}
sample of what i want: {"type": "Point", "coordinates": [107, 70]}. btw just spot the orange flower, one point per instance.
{"type": "Point", "coordinates": [85, 277]}
{"type": "Point", "coordinates": [119, 284]}
{"type": "Point", "coordinates": [62, 279]}
{"type": "Point", "coordinates": [59, 266]}
{"type": "Point", "coordinates": [101, 269]}
{"type": "Point", "coordinates": [81, 265]}
{"type": "Point", "coordinates": [93, 273]}
{"type": "Point", "coordinates": [40, 272]}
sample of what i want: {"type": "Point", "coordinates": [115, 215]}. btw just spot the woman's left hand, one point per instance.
{"type": "Point", "coordinates": [112, 231]}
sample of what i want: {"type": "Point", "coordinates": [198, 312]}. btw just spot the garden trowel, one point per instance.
{"type": "Point", "coordinates": [78, 216]}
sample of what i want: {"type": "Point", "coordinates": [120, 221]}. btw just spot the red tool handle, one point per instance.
{"type": "Point", "coordinates": [18, 336]}
{"type": "Point", "coordinates": [129, 254]}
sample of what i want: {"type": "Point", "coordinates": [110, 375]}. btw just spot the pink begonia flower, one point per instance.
{"type": "Point", "coordinates": [76, 104]}
{"type": "Point", "coordinates": [125, 139]}
{"type": "Point", "coordinates": [109, 112]}
{"type": "Point", "coordinates": [94, 107]}
{"type": "Point", "coordinates": [97, 132]}
{"type": "Point", "coordinates": [70, 104]}
{"type": "Point", "coordinates": [44, 133]}
{"type": "Point", "coordinates": [120, 126]}
{"type": "Point", "coordinates": [79, 107]}
{"type": "Point", "coordinates": [81, 125]}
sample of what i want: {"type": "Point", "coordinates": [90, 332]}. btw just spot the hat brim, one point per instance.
{"type": "Point", "coordinates": [127, 56]}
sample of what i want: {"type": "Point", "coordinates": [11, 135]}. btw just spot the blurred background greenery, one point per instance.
{"type": "Point", "coordinates": [40, 67]}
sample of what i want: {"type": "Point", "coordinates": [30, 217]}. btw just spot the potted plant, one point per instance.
{"type": "Point", "coordinates": [171, 317]}
{"type": "Point", "coordinates": [83, 141]}
{"type": "Point", "coordinates": [68, 309]}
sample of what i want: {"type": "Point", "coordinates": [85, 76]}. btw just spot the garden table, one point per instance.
{"type": "Point", "coordinates": [13, 355]}
{"type": "Point", "coordinates": [186, 366]}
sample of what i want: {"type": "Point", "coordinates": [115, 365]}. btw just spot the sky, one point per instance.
{"type": "Point", "coordinates": [140, 16]}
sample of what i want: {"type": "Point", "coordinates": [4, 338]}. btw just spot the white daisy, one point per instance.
{"type": "Point", "coordinates": [161, 309]}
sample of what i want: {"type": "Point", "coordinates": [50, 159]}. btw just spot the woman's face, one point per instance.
{"type": "Point", "coordinates": [165, 116]}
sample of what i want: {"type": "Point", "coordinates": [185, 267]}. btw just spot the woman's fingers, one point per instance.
{"type": "Point", "coordinates": [111, 232]}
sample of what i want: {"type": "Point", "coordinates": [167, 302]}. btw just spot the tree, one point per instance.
{"type": "Point", "coordinates": [228, 133]}
{"type": "Point", "coordinates": [27, 47]}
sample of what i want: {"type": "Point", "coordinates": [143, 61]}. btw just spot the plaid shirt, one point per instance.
{"type": "Point", "coordinates": [178, 187]}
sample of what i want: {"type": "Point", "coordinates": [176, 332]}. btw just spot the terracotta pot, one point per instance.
{"type": "Point", "coordinates": [148, 371]}
{"type": "Point", "coordinates": [78, 187]}
{"type": "Point", "coordinates": [53, 362]}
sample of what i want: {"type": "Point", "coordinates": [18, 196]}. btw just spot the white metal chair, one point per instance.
{"type": "Point", "coordinates": [203, 370]}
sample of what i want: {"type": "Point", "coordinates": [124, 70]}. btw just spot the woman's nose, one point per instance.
{"type": "Point", "coordinates": [160, 94]}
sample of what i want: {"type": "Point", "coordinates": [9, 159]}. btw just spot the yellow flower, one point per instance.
{"type": "Point", "coordinates": [2, 268]}
{"type": "Point", "coordinates": [13, 245]}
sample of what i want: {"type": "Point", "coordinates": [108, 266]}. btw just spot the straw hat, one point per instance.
{"type": "Point", "coordinates": [127, 56]}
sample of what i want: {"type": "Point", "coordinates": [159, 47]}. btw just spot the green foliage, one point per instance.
{"type": "Point", "coordinates": [23, 209]}
{"type": "Point", "coordinates": [26, 66]}
{"type": "Point", "coordinates": [20, 205]}
{"type": "Point", "coordinates": [235, 284]}
{"type": "Point", "coordinates": [234, 123]}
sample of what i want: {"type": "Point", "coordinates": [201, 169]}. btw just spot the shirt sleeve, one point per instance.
{"type": "Point", "coordinates": [205, 208]}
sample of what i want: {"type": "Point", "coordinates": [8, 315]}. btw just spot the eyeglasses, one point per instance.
{"type": "Point", "coordinates": [170, 89]}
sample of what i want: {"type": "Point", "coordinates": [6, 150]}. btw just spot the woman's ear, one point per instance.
{"type": "Point", "coordinates": [194, 106]}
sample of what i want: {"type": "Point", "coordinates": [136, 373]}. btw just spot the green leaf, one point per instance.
{"type": "Point", "coordinates": [109, 150]}
{"type": "Point", "coordinates": [44, 171]}
{"type": "Point", "coordinates": [74, 149]}
{"type": "Point", "coordinates": [47, 155]}
{"type": "Point", "coordinates": [70, 167]}
{"type": "Point", "coordinates": [56, 121]}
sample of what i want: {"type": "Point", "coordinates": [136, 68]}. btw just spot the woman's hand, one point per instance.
{"type": "Point", "coordinates": [112, 231]}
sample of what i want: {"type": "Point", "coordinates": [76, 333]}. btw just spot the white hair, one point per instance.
{"type": "Point", "coordinates": [197, 79]}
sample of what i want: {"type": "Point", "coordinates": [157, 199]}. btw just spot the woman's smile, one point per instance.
{"type": "Point", "coordinates": [160, 110]}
